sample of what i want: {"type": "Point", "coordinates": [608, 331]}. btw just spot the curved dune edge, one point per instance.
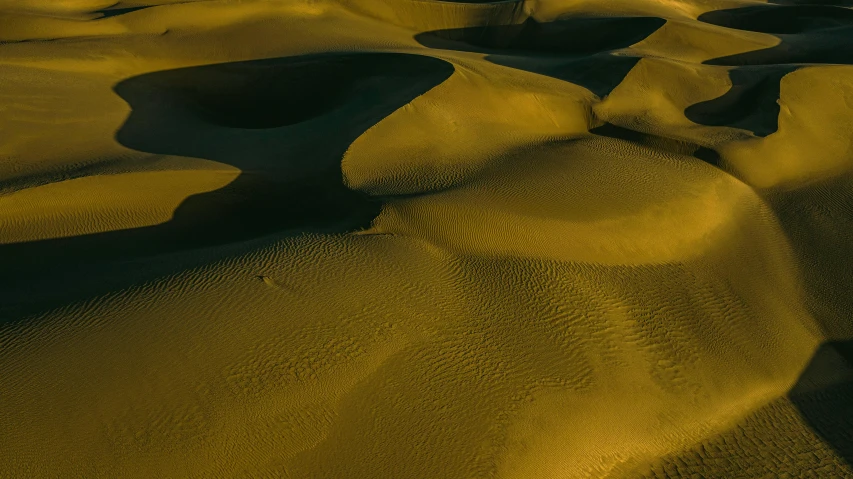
{"type": "Point", "coordinates": [521, 213]}
{"type": "Point", "coordinates": [408, 251]}
{"type": "Point", "coordinates": [791, 158]}
{"type": "Point", "coordinates": [436, 14]}
{"type": "Point", "coordinates": [321, 380]}
{"type": "Point", "coordinates": [96, 204]}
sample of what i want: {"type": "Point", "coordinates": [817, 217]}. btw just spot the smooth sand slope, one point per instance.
{"type": "Point", "coordinates": [423, 239]}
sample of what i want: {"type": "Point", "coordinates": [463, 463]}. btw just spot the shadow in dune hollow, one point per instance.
{"type": "Point", "coordinates": [577, 50]}
{"type": "Point", "coordinates": [285, 123]}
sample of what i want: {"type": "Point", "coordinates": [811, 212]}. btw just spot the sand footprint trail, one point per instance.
{"type": "Point", "coordinates": [419, 239]}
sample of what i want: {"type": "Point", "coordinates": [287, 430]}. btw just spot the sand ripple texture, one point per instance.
{"type": "Point", "coordinates": [426, 239]}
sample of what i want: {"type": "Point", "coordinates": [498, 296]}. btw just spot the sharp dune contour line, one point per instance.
{"type": "Point", "coordinates": [426, 239]}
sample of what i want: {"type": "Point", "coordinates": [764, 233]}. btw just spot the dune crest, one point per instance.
{"type": "Point", "coordinates": [426, 239]}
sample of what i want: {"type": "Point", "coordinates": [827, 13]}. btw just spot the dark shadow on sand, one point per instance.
{"type": "Point", "coordinates": [752, 103]}
{"type": "Point", "coordinates": [577, 50]}
{"type": "Point", "coordinates": [285, 123]}
{"type": "Point", "coordinates": [824, 396]}
{"type": "Point", "coordinates": [809, 33]}
{"type": "Point", "coordinates": [114, 12]}
{"type": "Point", "coordinates": [660, 143]}
{"type": "Point", "coordinates": [816, 218]}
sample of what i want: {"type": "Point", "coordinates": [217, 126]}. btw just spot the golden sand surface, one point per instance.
{"type": "Point", "coordinates": [426, 239]}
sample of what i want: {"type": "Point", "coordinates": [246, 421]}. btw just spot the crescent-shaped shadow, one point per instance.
{"type": "Point", "coordinates": [578, 50]}
{"type": "Point", "coordinates": [285, 123]}
{"type": "Point", "coordinates": [809, 34]}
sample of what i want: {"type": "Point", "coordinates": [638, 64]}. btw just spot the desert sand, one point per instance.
{"type": "Point", "coordinates": [426, 239]}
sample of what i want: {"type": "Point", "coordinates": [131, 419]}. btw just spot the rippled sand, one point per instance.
{"type": "Point", "coordinates": [424, 239]}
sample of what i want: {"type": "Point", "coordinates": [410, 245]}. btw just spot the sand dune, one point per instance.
{"type": "Point", "coordinates": [426, 239]}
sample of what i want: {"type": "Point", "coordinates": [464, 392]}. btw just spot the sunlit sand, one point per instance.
{"type": "Point", "coordinates": [426, 239]}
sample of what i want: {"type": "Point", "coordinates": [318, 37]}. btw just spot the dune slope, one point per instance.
{"type": "Point", "coordinates": [426, 239]}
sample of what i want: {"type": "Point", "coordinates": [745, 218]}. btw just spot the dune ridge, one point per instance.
{"type": "Point", "coordinates": [423, 239]}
